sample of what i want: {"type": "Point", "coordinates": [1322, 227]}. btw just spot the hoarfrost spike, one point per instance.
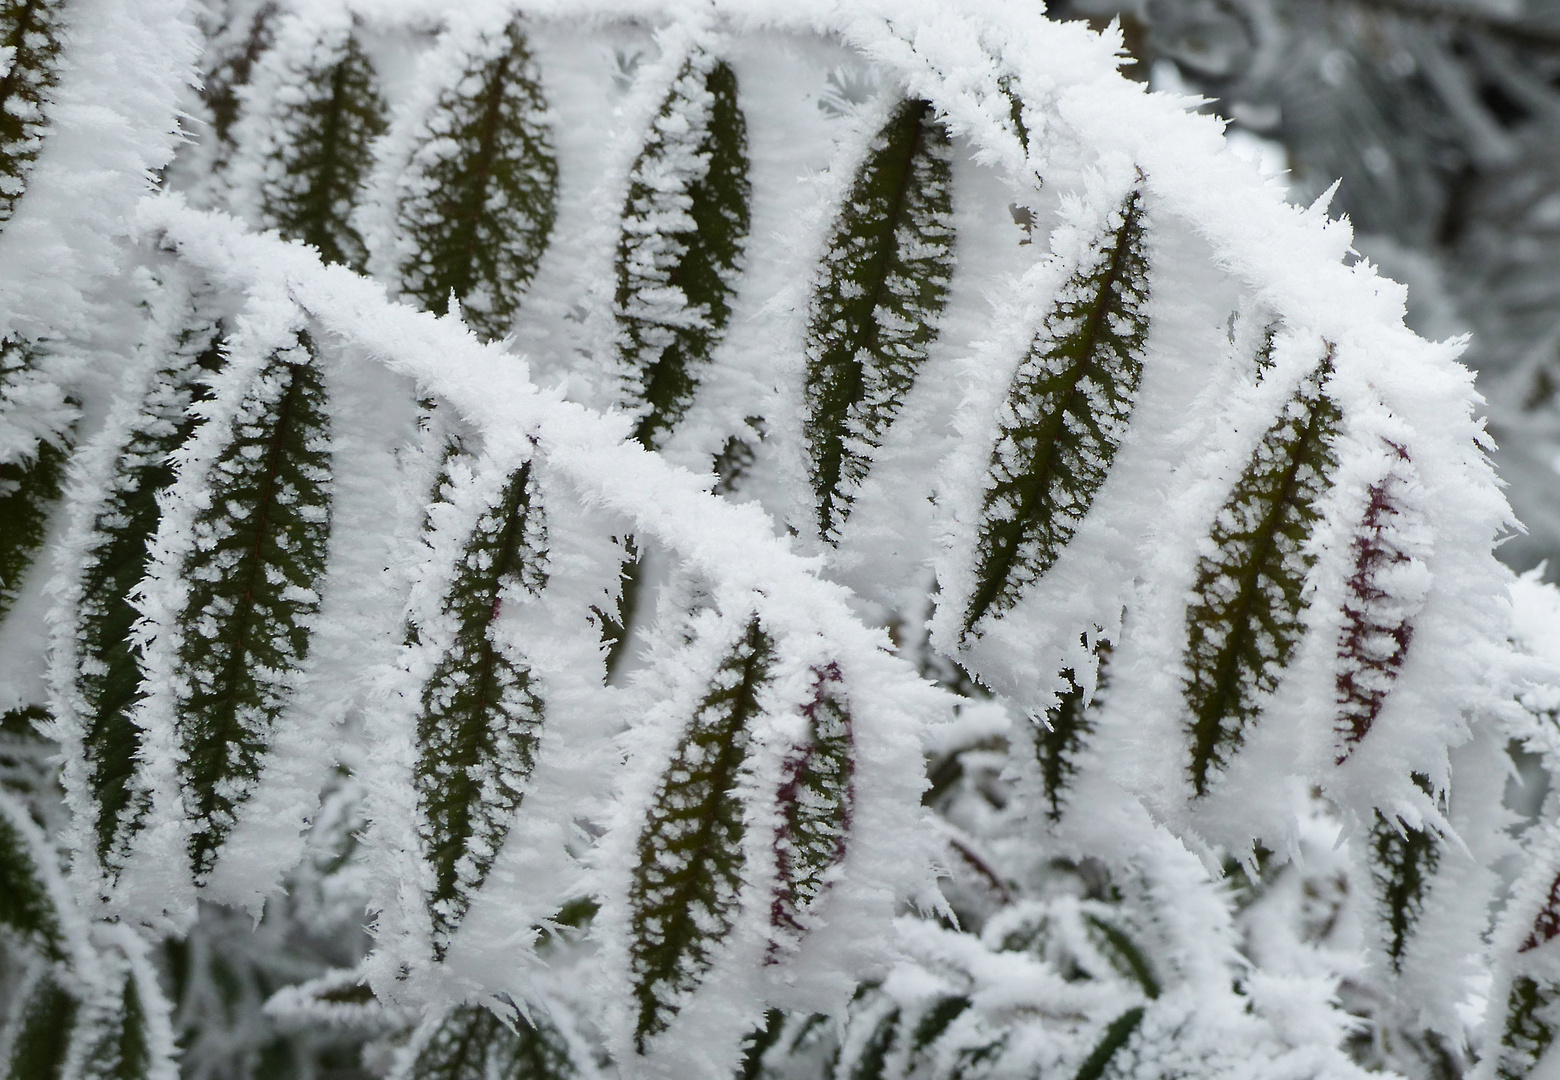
{"type": "Point", "coordinates": [481, 716]}
{"type": "Point", "coordinates": [683, 896]}
{"type": "Point", "coordinates": [1065, 415]}
{"type": "Point", "coordinates": [471, 1043]}
{"type": "Point", "coordinates": [1403, 860]}
{"type": "Point", "coordinates": [108, 676]}
{"type": "Point", "coordinates": [1385, 590]}
{"type": "Point", "coordinates": [684, 227]}
{"type": "Point", "coordinates": [881, 289]}
{"type": "Point", "coordinates": [815, 804]}
{"type": "Point", "coordinates": [254, 573]}
{"type": "Point", "coordinates": [479, 196]}
{"type": "Point", "coordinates": [1245, 619]}
{"type": "Point", "coordinates": [30, 473]}
{"type": "Point", "coordinates": [32, 36]}
{"type": "Point", "coordinates": [323, 149]}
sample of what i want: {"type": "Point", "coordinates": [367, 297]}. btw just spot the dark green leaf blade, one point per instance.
{"type": "Point", "coordinates": [1065, 415]}
{"type": "Point", "coordinates": [481, 716]}
{"type": "Point", "coordinates": [254, 575]}
{"type": "Point", "coordinates": [882, 286]}
{"type": "Point", "coordinates": [683, 895]}
{"type": "Point", "coordinates": [1245, 619]}
{"type": "Point", "coordinates": [33, 33]}
{"type": "Point", "coordinates": [479, 198]}
{"type": "Point", "coordinates": [684, 228]}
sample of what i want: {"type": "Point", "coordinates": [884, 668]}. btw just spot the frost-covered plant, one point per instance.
{"type": "Point", "coordinates": [1053, 622]}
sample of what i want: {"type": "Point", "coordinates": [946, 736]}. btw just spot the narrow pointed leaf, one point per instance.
{"type": "Point", "coordinates": [882, 286]}
{"type": "Point", "coordinates": [481, 716]}
{"type": "Point", "coordinates": [1245, 620]}
{"type": "Point", "coordinates": [27, 908]}
{"type": "Point", "coordinates": [684, 892]}
{"type": "Point", "coordinates": [123, 1047]}
{"type": "Point", "coordinates": [815, 801]}
{"type": "Point", "coordinates": [29, 479]}
{"type": "Point", "coordinates": [1385, 590]}
{"type": "Point", "coordinates": [479, 196]}
{"type": "Point", "coordinates": [109, 675]}
{"type": "Point", "coordinates": [1529, 1028]}
{"type": "Point", "coordinates": [40, 1040]}
{"type": "Point", "coordinates": [32, 33]}
{"type": "Point", "coordinates": [1403, 860]}
{"type": "Point", "coordinates": [684, 227]}
{"type": "Point", "coordinates": [1115, 1037]}
{"type": "Point", "coordinates": [1058, 742]}
{"type": "Point", "coordinates": [1065, 415]}
{"type": "Point", "coordinates": [254, 575]}
{"type": "Point", "coordinates": [325, 151]}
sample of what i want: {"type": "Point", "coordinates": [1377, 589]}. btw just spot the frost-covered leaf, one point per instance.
{"type": "Point", "coordinates": [815, 803]}
{"type": "Point", "coordinates": [1385, 589]}
{"type": "Point", "coordinates": [27, 904]}
{"type": "Point", "coordinates": [253, 575]}
{"type": "Point", "coordinates": [32, 34]}
{"type": "Point", "coordinates": [881, 288]}
{"type": "Point", "coordinates": [37, 1039]}
{"type": "Point", "coordinates": [317, 142]}
{"type": "Point", "coordinates": [684, 227]}
{"type": "Point", "coordinates": [1245, 620]}
{"type": "Point", "coordinates": [30, 473]}
{"type": "Point", "coordinates": [688, 871]}
{"type": "Point", "coordinates": [108, 676]}
{"type": "Point", "coordinates": [481, 716]}
{"type": "Point", "coordinates": [1403, 860]}
{"type": "Point", "coordinates": [1065, 415]}
{"type": "Point", "coordinates": [478, 197]}
{"type": "Point", "coordinates": [472, 1043]}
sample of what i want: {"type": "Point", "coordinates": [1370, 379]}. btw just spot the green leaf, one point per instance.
{"type": "Point", "coordinates": [26, 908]}
{"type": "Point", "coordinates": [684, 225]}
{"type": "Point", "coordinates": [684, 892]}
{"type": "Point", "coordinates": [254, 572]}
{"type": "Point", "coordinates": [109, 674]}
{"type": "Point", "coordinates": [220, 86]}
{"type": "Point", "coordinates": [1123, 953]}
{"type": "Point", "coordinates": [1065, 415]}
{"type": "Point", "coordinates": [325, 152]}
{"type": "Point", "coordinates": [32, 34]}
{"type": "Point", "coordinates": [1245, 621]}
{"type": "Point", "coordinates": [122, 1049]}
{"type": "Point", "coordinates": [471, 1043]}
{"type": "Point", "coordinates": [1116, 1036]}
{"type": "Point", "coordinates": [481, 717]}
{"type": "Point", "coordinates": [871, 1061]}
{"type": "Point", "coordinates": [936, 1021]}
{"type": "Point", "coordinates": [29, 484]}
{"type": "Point", "coordinates": [882, 286]}
{"type": "Point", "coordinates": [40, 1036]}
{"type": "Point", "coordinates": [814, 801]}
{"type": "Point", "coordinates": [1058, 742]}
{"type": "Point", "coordinates": [1403, 861]}
{"type": "Point", "coordinates": [481, 191]}
{"type": "Point", "coordinates": [1529, 1028]}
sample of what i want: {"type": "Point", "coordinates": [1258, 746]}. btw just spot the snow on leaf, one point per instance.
{"type": "Point", "coordinates": [1065, 415]}
{"type": "Point", "coordinates": [477, 199]}
{"type": "Point", "coordinates": [253, 572]}
{"type": "Point", "coordinates": [481, 715]}
{"type": "Point", "coordinates": [684, 227]}
{"type": "Point", "coordinates": [881, 288]}
{"type": "Point", "coordinates": [32, 35]}
{"type": "Point", "coordinates": [688, 872]}
{"type": "Point", "coordinates": [1244, 622]}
